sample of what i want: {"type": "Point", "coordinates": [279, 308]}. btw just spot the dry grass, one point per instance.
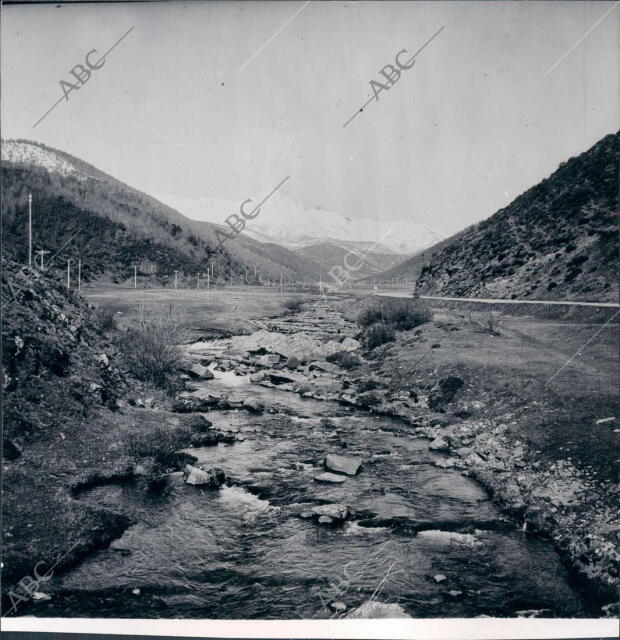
{"type": "Point", "coordinates": [151, 343]}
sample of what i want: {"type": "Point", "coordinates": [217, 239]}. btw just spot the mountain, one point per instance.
{"type": "Point", "coordinates": [288, 223]}
{"type": "Point", "coordinates": [371, 259]}
{"type": "Point", "coordinates": [408, 270]}
{"type": "Point", "coordinates": [559, 239]}
{"type": "Point", "coordinates": [116, 226]}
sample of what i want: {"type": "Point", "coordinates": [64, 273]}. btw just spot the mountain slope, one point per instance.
{"type": "Point", "coordinates": [288, 223]}
{"type": "Point", "coordinates": [559, 239]}
{"type": "Point", "coordinates": [115, 226]}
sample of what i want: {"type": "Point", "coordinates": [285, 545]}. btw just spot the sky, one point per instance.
{"type": "Point", "coordinates": [226, 99]}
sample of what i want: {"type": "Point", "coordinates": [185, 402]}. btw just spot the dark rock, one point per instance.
{"type": "Point", "coordinates": [198, 423]}
{"type": "Point", "coordinates": [445, 392]}
{"type": "Point", "coordinates": [9, 450]}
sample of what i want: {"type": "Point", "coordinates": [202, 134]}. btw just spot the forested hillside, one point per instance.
{"type": "Point", "coordinates": [559, 239]}
{"type": "Point", "coordinates": [113, 226]}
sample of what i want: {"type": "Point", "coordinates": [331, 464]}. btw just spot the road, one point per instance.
{"type": "Point", "coordinates": [573, 303]}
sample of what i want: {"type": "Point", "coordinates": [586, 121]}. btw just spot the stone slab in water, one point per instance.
{"type": "Point", "coordinates": [343, 464]}
{"type": "Point", "coordinates": [330, 478]}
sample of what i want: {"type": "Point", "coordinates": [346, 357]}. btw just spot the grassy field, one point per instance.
{"type": "Point", "coordinates": [229, 310]}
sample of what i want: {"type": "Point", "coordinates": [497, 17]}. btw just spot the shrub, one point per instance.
{"type": "Point", "coordinates": [376, 335]}
{"type": "Point", "coordinates": [344, 359]}
{"type": "Point", "coordinates": [105, 320]}
{"type": "Point", "coordinates": [294, 304]}
{"type": "Point", "coordinates": [401, 313]}
{"type": "Point", "coordinates": [490, 325]}
{"type": "Point", "coordinates": [151, 344]}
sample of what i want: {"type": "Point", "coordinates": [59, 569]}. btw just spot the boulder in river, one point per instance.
{"type": "Point", "coordinates": [293, 362]}
{"type": "Point", "coordinates": [373, 609]}
{"type": "Point", "coordinates": [253, 404]}
{"type": "Point", "coordinates": [439, 444]}
{"type": "Point", "coordinates": [337, 512]}
{"type": "Point", "coordinates": [213, 478]}
{"type": "Point", "coordinates": [330, 478]}
{"type": "Point", "coordinates": [269, 359]}
{"type": "Point", "coordinates": [196, 371]}
{"type": "Point", "coordinates": [343, 464]}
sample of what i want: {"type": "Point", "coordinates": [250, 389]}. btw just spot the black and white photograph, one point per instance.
{"type": "Point", "coordinates": [310, 313]}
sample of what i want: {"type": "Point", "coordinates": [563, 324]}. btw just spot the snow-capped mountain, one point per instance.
{"type": "Point", "coordinates": [288, 223]}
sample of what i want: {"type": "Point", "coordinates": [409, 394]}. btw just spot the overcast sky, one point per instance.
{"type": "Point", "coordinates": [470, 126]}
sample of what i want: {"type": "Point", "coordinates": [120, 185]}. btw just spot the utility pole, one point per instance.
{"type": "Point", "coordinates": [79, 275]}
{"type": "Point", "coordinates": [41, 253]}
{"type": "Point", "coordinates": [280, 281]}
{"type": "Point", "coordinates": [29, 229]}
{"type": "Point", "coordinates": [212, 273]}
{"type": "Point", "coordinates": [68, 273]}
{"type": "Point", "coordinates": [135, 276]}
{"type": "Point", "coordinates": [208, 281]}
{"type": "Point", "coordinates": [198, 281]}
{"type": "Point", "coordinates": [176, 273]}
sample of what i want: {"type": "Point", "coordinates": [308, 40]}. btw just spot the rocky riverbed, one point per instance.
{"type": "Point", "coordinates": [311, 490]}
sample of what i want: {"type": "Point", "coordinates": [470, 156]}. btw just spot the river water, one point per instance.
{"type": "Point", "coordinates": [424, 537]}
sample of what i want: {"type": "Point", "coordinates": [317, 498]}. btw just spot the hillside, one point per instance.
{"type": "Point", "coordinates": [559, 239]}
{"type": "Point", "coordinates": [115, 226]}
{"type": "Point", "coordinates": [409, 269]}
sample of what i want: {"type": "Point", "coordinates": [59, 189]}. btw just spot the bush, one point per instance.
{"type": "Point", "coordinates": [151, 344]}
{"type": "Point", "coordinates": [294, 304]}
{"type": "Point", "coordinates": [344, 359]}
{"type": "Point", "coordinates": [401, 313]}
{"type": "Point", "coordinates": [376, 335]}
{"type": "Point", "coordinates": [105, 320]}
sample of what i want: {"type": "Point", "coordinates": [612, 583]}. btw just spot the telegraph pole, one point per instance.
{"type": "Point", "coordinates": [29, 229]}
{"type": "Point", "coordinates": [41, 253]}
{"type": "Point", "coordinates": [280, 280]}
{"type": "Point", "coordinates": [68, 273]}
{"type": "Point", "coordinates": [175, 279]}
{"type": "Point", "coordinates": [135, 276]}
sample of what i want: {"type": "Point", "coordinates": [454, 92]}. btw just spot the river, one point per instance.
{"type": "Point", "coordinates": [424, 537]}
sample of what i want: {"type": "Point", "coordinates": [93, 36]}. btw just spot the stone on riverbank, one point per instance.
{"type": "Point", "coordinates": [343, 464]}
{"type": "Point", "coordinates": [379, 610]}
{"type": "Point", "coordinates": [195, 403]}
